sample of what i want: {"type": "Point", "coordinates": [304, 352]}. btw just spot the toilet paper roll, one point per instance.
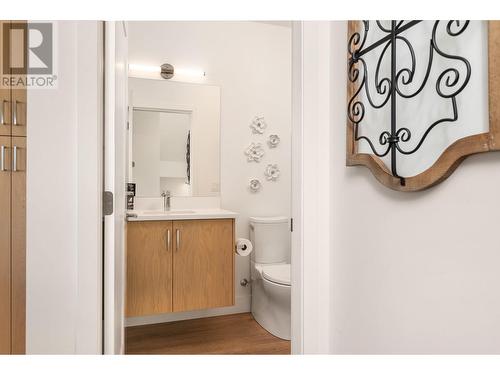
{"type": "Point", "coordinates": [243, 247]}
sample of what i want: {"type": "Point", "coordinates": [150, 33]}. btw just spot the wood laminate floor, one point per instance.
{"type": "Point", "coordinates": [228, 334]}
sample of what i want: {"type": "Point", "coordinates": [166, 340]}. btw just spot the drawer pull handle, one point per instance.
{"type": "Point", "coordinates": [14, 159]}
{"type": "Point", "coordinates": [2, 159]}
{"type": "Point", "coordinates": [168, 239]}
{"type": "Point", "coordinates": [2, 113]}
{"type": "Point", "coordinates": [14, 114]}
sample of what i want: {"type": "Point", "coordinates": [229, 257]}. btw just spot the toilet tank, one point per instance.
{"type": "Point", "coordinates": [270, 238]}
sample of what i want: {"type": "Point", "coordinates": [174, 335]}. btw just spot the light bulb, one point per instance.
{"type": "Point", "coordinates": [144, 68]}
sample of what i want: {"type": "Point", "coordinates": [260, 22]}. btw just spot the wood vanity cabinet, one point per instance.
{"type": "Point", "coordinates": [179, 265]}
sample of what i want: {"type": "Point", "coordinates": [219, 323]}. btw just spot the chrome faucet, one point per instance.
{"type": "Point", "coordinates": [166, 200]}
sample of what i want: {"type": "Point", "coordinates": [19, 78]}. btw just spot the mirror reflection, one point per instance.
{"type": "Point", "coordinates": [174, 138]}
{"type": "Point", "coordinates": [161, 152]}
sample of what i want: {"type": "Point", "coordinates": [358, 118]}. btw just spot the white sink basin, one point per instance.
{"type": "Point", "coordinates": [171, 212]}
{"type": "Point", "coordinates": [149, 215]}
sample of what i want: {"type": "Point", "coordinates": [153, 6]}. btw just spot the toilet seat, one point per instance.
{"type": "Point", "coordinates": [277, 273]}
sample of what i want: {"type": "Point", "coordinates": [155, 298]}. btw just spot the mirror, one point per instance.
{"type": "Point", "coordinates": [173, 140]}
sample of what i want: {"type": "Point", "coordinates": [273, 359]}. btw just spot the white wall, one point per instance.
{"type": "Point", "coordinates": [411, 272]}
{"type": "Point", "coordinates": [251, 62]}
{"type": "Point", "coordinates": [63, 200]}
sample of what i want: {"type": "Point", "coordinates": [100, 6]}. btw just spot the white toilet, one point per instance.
{"type": "Point", "coordinates": [270, 262]}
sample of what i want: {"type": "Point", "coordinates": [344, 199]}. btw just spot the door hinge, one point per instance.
{"type": "Point", "coordinates": [291, 224]}
{"type": "Point", "coordinates": [107, 203]}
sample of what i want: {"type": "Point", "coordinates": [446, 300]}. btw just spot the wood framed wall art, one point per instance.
{"type": "Point", "coordinates": [421, 97]}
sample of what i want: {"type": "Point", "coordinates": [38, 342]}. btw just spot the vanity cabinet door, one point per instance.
{"type": "Point", "coordinates": [203, 264]}
{"type": "Point", "coordinates": [18, 52]}
{"type": "Point", "coordinates": [18, 244]}
{"type": "Point", "coordinates": [149, 268]}
{"type": "Point", "coordinates": [18, 111]}
{"type": "Point", "coordinates": [5, 238]}
{"type": "Point", "coordinates": [5, 92]}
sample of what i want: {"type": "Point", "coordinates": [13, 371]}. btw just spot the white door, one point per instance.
{"type": "Point", "coordinates": [116, 98]}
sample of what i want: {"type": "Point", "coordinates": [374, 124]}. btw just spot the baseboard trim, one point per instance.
{"type": "Point", "coordinates": [242, 305]}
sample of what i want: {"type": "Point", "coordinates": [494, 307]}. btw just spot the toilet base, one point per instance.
{"type": "Point", "coordinates": [271, 307]}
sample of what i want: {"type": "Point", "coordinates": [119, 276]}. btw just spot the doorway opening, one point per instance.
{"type": "Point", "coordinates": [205, 252]}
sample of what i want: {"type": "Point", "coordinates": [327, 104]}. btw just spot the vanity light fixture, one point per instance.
{"type": "Point", "coordinates": [165, 71]}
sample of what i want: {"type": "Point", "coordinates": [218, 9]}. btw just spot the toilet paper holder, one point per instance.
{"type": "Point", "coordinates": [244, 247]}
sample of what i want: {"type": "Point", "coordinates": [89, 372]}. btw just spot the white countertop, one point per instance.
{"type": "Point", "coordinates": [178, 214]}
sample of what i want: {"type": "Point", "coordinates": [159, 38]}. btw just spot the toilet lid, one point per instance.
{"type": "Point", "coordinates": [278, 273]}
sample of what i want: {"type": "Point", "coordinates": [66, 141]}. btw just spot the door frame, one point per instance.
{"type": "Point", "coordinates": [311, 221]}
{"type": "Point", "coordinates": [115, 116]}
{"type": "Point", "coordinates": [297, 167]}
{"type": "Point", "coordinates": [311, 187]}
{"type": "Point", "coordinates": [108, 177]}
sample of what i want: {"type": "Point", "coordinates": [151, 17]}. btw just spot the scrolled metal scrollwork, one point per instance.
{"type": "Point", "coordinates": [449, 84]}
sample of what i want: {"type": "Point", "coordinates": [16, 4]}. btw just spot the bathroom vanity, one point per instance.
{"type": "Point", "coordinates": [179, 260]}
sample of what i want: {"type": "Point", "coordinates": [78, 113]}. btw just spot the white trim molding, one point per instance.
{"type": "Point", "coordinates": [297, 244]}
{"type": "Point", "coordinates": [311, 295]}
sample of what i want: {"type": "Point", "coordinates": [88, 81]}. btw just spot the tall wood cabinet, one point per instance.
{"type": "Point", "coordinates": [179, 265]}
{"type": "Point", "coordinates": [13, 104]}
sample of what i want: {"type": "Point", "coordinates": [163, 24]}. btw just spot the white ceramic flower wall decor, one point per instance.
{"type": "Point", "coordinates": [273, 141]}
{"type": "Point", "coordinates": [258, 125]}
{"type": "Point", "coordinates": [255, 185]}
{"type": "Point", "coordinates": [272, 172]}
{"type": "Point", "coordinates": [254, 152]}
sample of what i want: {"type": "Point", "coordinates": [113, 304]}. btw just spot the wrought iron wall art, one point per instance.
{"type": "Point", "coordinates": [395, 139]}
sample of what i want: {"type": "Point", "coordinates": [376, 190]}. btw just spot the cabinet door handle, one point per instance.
{"type": "Point", "coordinates": [178, 239]}
{"type": "Point", "coordinates": [14, 113]}
{"type": "Point", "coordinates": [14, 159]}
{"type": "Point", "coordinates": [2, 158]}
{"type": "Point", "coordinates": [168, 239]}
{"type": "Point", "coordinates": [2, 113]}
